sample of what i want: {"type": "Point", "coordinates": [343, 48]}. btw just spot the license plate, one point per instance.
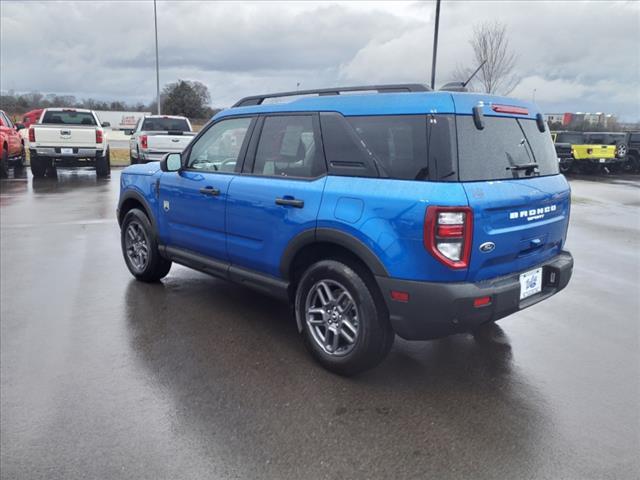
{"type": "Point", "coordinates": [602, 160]}
{"type": "Point", "coordinates": [66, 151]}
{"type": "Point", "coordinates": [530, 283]}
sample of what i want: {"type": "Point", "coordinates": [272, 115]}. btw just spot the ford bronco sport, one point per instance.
{"type": "Point", "coordinates": [403, 211]}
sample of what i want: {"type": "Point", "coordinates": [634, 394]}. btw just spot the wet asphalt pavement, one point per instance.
{"type": "Point", "coordinates": [104, 377]}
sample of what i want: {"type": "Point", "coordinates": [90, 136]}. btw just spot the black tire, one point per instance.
{"type": "Point", "coordinates": [39, 165]}
{"type": "Point", "coordinates": [566, 168]}
{"type": "Point", "coordinates": [374, 336]}
{"type": "Point", "coordinates": [21, 160]}
{"type": "Point", "coordinates": [631, 164]}
{"type": "Point", "coordinates": [4, 163]}
{"type": "Point", "coordinates": [154, 267]}
{"type": "Point", "coordinates": [132, 159]}
{"type": "Point", "coordinates": [103, 165]}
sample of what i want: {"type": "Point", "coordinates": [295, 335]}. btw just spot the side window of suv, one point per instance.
{"type": "Point", "coordinates": [289, 147]}
{"type": "Point", "coordinates": [218, 149]}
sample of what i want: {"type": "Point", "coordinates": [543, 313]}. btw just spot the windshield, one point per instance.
{"type": "Point", "coordinates": [68, 117]}
{"type": "Point", "coordinates": [506, 148]}
{"type": "Point", "coordinates": [165, 125]}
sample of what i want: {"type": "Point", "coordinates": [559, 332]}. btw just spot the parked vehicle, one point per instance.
{"type": "Point", "coordinates": [590, 154]}
{"type": "Point", "coordinates": [12, 153]}
{"type": "Point", "coordinates": [632, 159]}
{"type": "Point", "coordinates": [71, 137]}
{"type": "Point", "coordinates": [157, 135]}
{"type": "Point", "coordinates": [616, 139]}
{"type": "Point", "coordinates": [406, 212]}
{"type": "Point", "coordinates": [31, 117]}
{"type": "Point", "coordinates": [563, 148]}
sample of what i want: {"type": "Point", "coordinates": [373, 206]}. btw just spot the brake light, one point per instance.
{"type": "Point", "coordinates": [98, 136]}
{"type": "Point", "coordinates": [510, 109]}
{"type": "Point", "coordinates": [143, 142]}
{"type": "Point", "coordinates": [32, 134]}
{"type": "Point", "coordinates": [447, 235]}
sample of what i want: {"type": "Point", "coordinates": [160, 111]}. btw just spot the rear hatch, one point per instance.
{"type": "Point", "coordinates": [520, 203]}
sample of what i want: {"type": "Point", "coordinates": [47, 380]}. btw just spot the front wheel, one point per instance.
{"type": "Point", "coordinates": [345, 323]}
{"type": "Point", "coordinates": [4, 163]}
{"type": "Point", "coordinates": [140, 249]}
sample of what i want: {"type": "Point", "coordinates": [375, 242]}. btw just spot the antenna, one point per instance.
{"type": "Point", "coordinates": [474, 73]}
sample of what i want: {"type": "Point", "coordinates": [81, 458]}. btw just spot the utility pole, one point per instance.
{"type": "Point", "coordinates": [155, 21]}
{"type": "Point", "coordinates": [435, 46]}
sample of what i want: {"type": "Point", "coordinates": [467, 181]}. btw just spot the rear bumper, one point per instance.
{"type": "Point", "coordinates": [439, 309]}
{"type": "Point", "coordinates": [78, 152]}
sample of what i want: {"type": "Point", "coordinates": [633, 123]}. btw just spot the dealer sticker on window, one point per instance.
{"type": "Point", "coordinates": [530, 283]}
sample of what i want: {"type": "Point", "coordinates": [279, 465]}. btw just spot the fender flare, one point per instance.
{"type": "Point", "coordinates": [132, 194]}
{"type": "Point", "coordinates": [331, 235]}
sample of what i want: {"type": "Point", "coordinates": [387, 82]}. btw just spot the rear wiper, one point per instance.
{"type": "Point", "coordinates": [528, 167]}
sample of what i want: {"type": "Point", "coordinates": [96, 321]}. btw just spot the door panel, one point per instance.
{"type": "Point", "coordinates": [193, 218]}
{"type": "Point", "coordinates": [279, 195]}
{"type": "Point", "coordinates": [258, 228]}
{"type": "Point", "coordinates": [193, 201]}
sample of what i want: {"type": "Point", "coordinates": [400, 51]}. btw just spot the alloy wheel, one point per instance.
{"type": "Point", "coordinates": [332, 317]}
{"type": "Point", "coordinates": [136, 246]}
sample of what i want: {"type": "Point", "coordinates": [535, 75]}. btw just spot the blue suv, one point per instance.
{"type": "Point", "coordinates": [397, 210]}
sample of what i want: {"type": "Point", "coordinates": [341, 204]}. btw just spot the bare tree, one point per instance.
{"type": "Point", "coordinates": [491, 43]}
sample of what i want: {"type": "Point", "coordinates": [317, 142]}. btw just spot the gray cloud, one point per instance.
{"type": "Point", "coordinates": [105, 49]}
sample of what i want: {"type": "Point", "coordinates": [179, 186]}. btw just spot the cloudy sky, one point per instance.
{"type": "Point", "coordinates": [576, 56]}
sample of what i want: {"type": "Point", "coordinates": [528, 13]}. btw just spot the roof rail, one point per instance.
{"type": "Point", "coordinates": [403, 87]}
{"type": "Point", "coordinates": [454, 87]}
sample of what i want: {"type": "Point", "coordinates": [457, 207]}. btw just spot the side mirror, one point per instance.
{"type": "Point", "coordinates": [105, 124]}
{"type": "Point", "coordinates": [19, 126]}
{"type": "Point", "coordinates": [171, 162]}
{"type": "Point", "coordinates": [540, 123]}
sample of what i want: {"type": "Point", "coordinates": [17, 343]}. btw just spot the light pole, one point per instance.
{"type": "Point", "coordinates": [435, 46]}
{"type": "Point", "coordinates": [533, 96]}
{"type": "Point", "coordinates": [155, 21]}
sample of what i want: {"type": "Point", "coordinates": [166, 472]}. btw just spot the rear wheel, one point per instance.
{"type": "Point", "coordinates": [345, 324]}
{"type": "Point", "coordinates": [566, 167]}
{"type": "Point", "coordinates": [631, 164]}
{"type": "Point", "coordinates": [132, 160]}
{"type": "Point", "coordinates": [103, 165]}
{"type": "Point", "coordinates": [39, 165]}
{"type": "Point", "coordinates": [140, 249]}
{"type": "Point", "coordinates": [21, 160]}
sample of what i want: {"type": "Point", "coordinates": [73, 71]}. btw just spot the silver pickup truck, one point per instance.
{"type": "Point", "coordinates": [71, 137]}
{"type": "Point", "coordinates": [157, 135]}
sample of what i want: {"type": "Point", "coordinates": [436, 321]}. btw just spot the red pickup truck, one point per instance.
{"type": "Point", "coordinates": [31, 117]}
{"type": "Point", "coordinates": [12, 144]}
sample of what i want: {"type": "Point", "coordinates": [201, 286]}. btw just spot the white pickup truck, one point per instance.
{"type": "Point", "coordinates": [70, 137]}
{"type": "Point", "coordinates": [157, 135]}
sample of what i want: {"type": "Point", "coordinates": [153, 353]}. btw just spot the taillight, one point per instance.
{"type": "Point", "coordinates": [143, 142]}
{"type": "Point", "coordinates": [32, 134]}
{"type": "Point", "coordinates": [98, 136]}
{"type": "Point", "coordinates": [447, 234]}
{"type": "Point", "coordinates": [510, 109]}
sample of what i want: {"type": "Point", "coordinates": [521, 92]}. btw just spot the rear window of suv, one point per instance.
{"type": "Point", "coordinates": [504, 143]}
{"type": "Point", "coordinates": [68, 118]}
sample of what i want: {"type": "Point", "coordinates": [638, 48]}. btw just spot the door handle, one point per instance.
{"type": "Point", "coordinates": [291, 202]}
{"type": "Point", "coordinates": [210, 191]}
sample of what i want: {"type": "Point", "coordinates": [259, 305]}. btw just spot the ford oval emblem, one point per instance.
{"type": "Point", "coordinates": [487, 247]}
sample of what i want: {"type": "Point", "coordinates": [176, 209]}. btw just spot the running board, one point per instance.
{"type": "Point", "coordinates": [267, 284]}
